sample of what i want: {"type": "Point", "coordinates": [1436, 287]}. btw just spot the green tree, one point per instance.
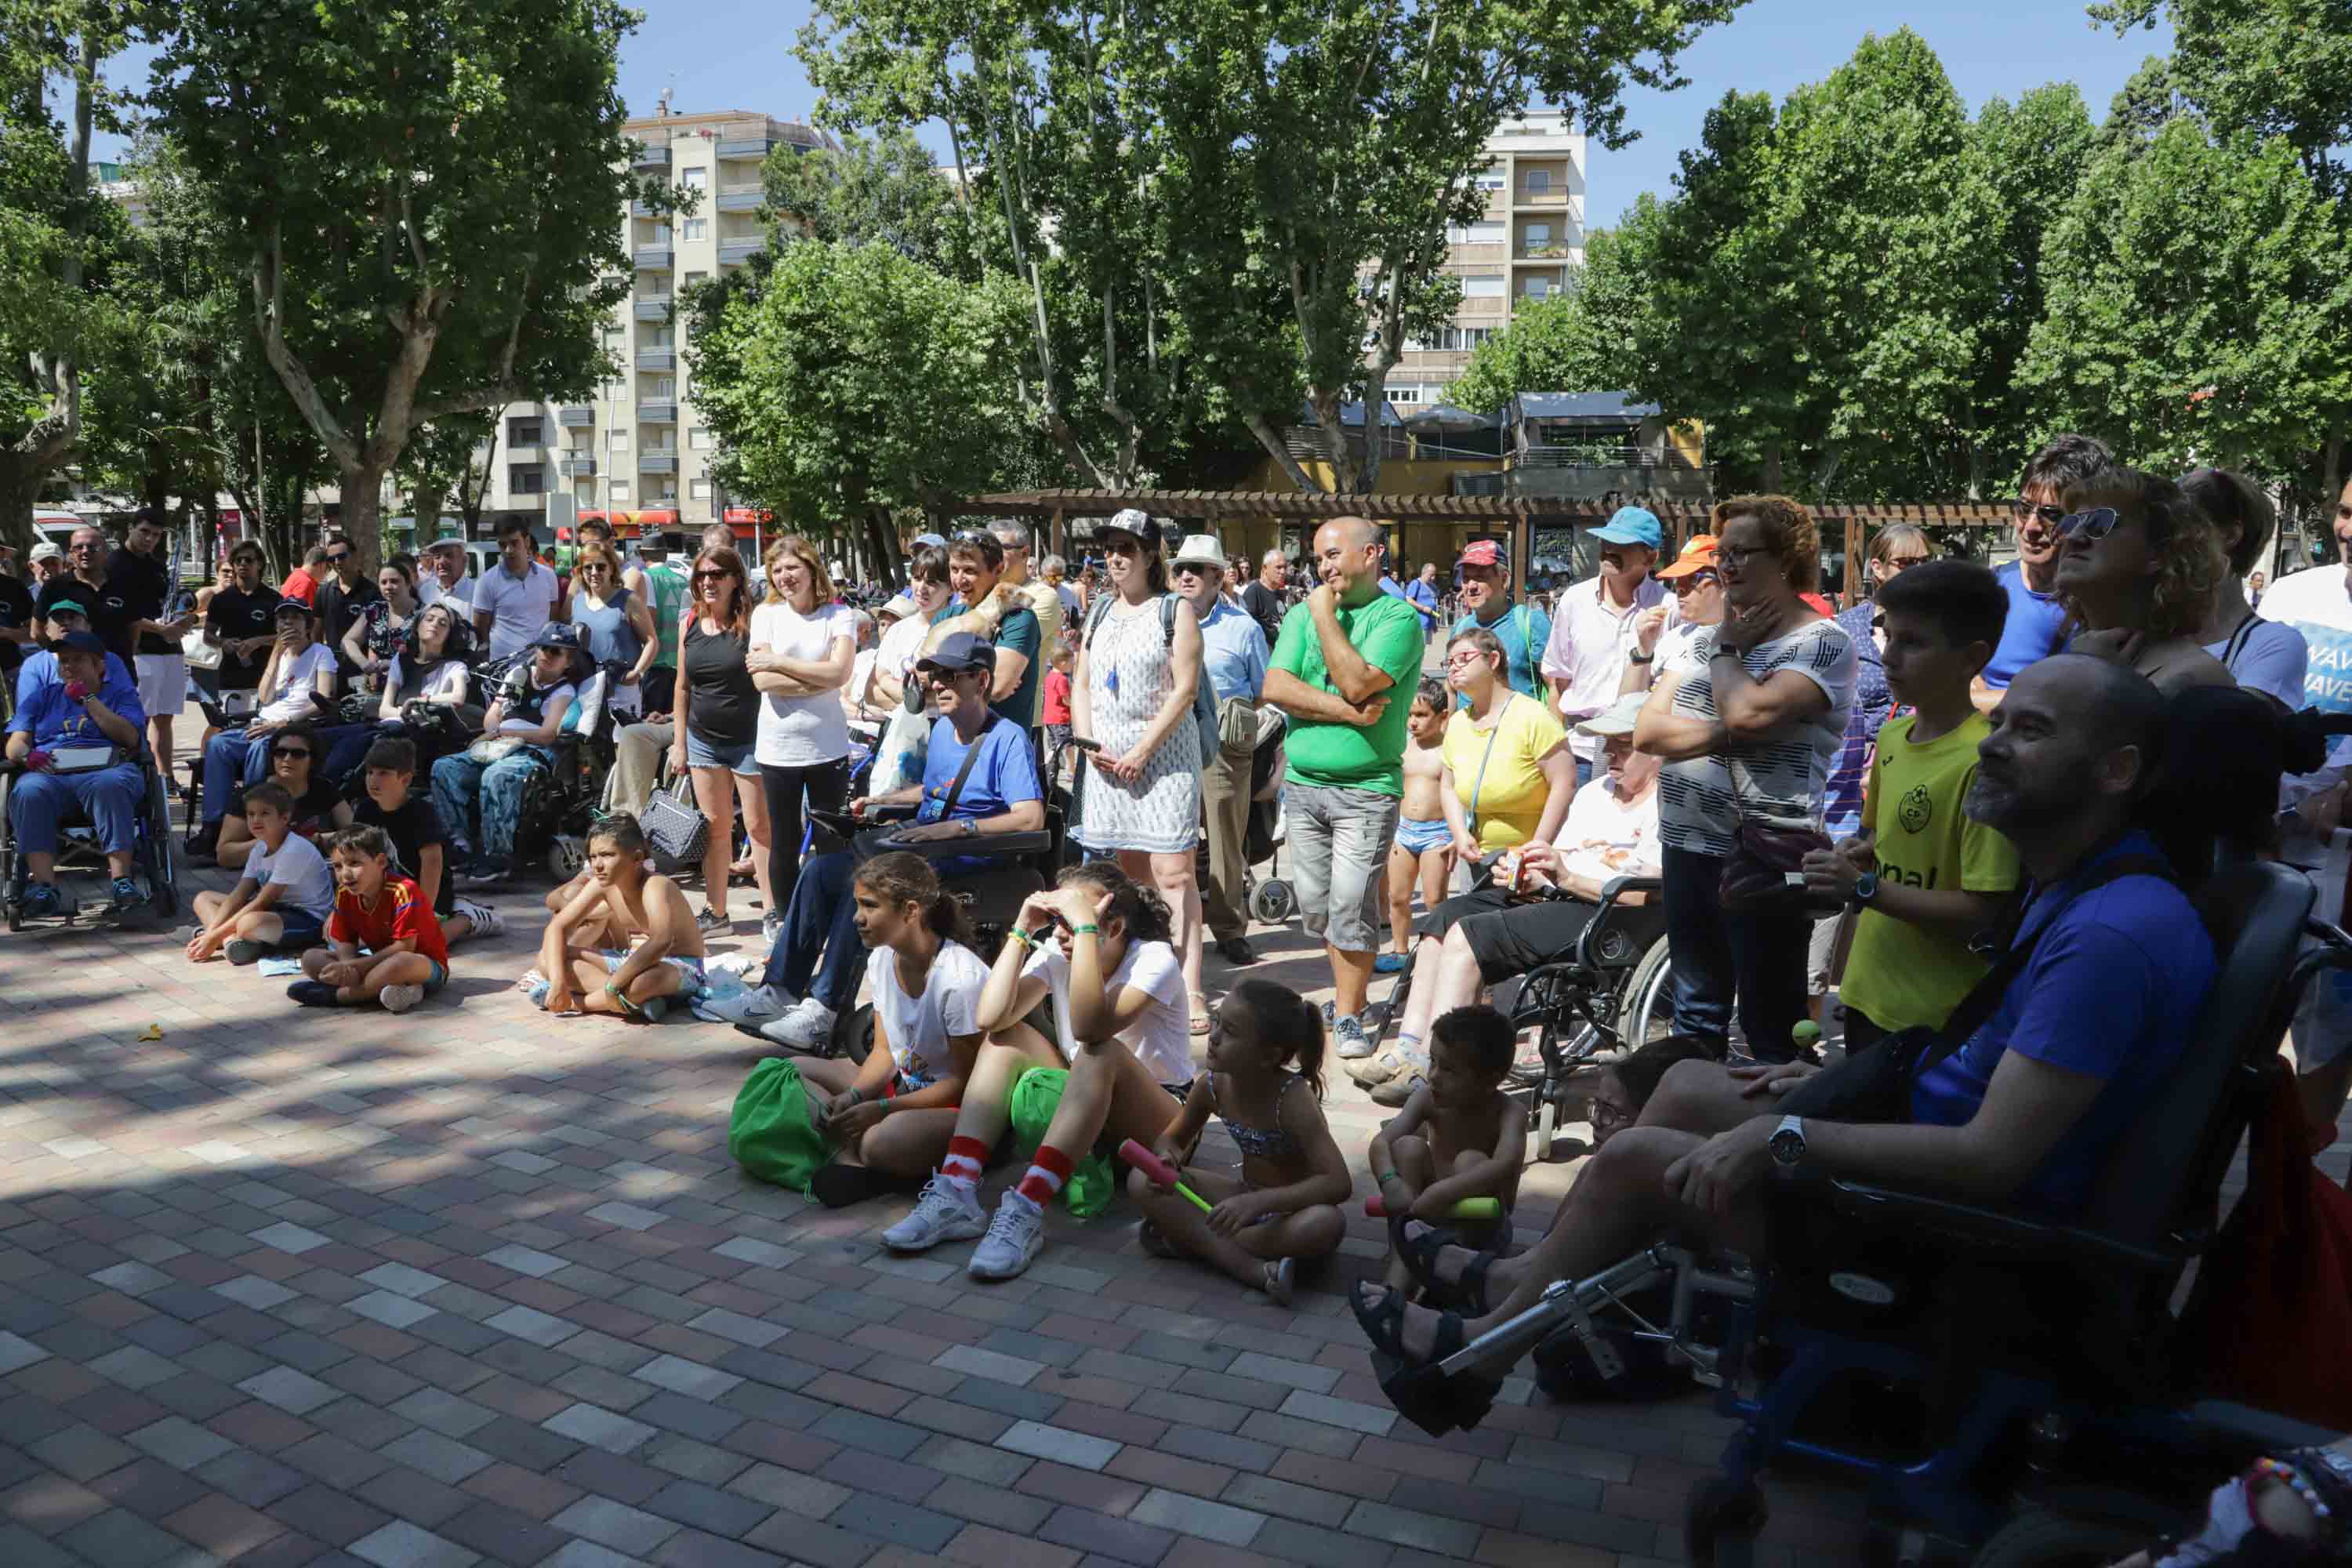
{"type": "Point", "coordinates": [425, 198]}
{"type": "Point", "coordinates": [1576, 339]}
{"type": "Point", "coordinates": [2199, 308]}
{"type": "Point", "coordinates": [882, 188]}
{"type": "Point", "coordinates": [856, 383]}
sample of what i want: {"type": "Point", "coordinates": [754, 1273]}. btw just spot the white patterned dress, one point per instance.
{"type": "Point", "coordinates": [1129, 672]}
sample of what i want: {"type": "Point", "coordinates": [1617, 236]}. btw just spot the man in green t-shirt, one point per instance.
{"type": "Point", "coordinates": [665, 595]}
{"type": "Point", "coordinates": [1342, 656]}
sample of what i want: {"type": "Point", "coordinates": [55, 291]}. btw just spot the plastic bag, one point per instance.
{"type": "Point", "coordinates": [1034, 1100]}
{"type": "Point", "coordinates": [898, 761]}
{"type": "Point", "coordinates": [768, 1131]}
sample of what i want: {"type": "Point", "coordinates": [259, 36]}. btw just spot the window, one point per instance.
{"type": "Point", "coordinates": [698, 439]}
{"type": "Point", "coordinates": [655, 338]}
{"type": "Point", "coordinates": [1459, 339]}
{"type": "Point", "coordinates": [1484, 232]}
{"type": "Point", "coordinates": [1490, 181]}
{"type": "Point", "coordinates": [618, 489]}
{"type": "Point", "coordinates": [1403, 393]}
{"type": "Point", "coordinates": [526, 479]}
{"type": "Point", "coordinates": [1536, 182]}
{"type": "Point", "coordinates": [695, 179]}
{"type": "Point", "coordinates": [694, 278]}
{"type": "Point", "coordinates": [699, 489]}
{"type": "Point", "coordinates": [612, 331]}
{"type": "Point", "coordinates": [525, 432]}
{"type": "Point", "coordinates": [660, 388]}
{"type": "Point", "coordinates": [1538, 233]}
{"type": "Point", "coordinates": [1483, 286]}
{"type": "Point", "coordinates": [1537, 287]}
{"type": "Point", "coordinates": [695, 228]}
{"type": "Point", "coordinates": [618, 440]}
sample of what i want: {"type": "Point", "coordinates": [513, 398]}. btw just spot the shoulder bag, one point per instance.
{"type": "Point", "coordinates": [675, 828]}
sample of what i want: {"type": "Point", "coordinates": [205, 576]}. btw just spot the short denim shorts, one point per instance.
{"type": "Point", "coordinates": [736, 760]}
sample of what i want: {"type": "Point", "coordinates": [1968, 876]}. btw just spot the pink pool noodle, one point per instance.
{"type": "Point", "coordinates": [1159, 1169]}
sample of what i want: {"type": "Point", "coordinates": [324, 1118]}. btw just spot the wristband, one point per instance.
{"type": "Point", "coordinates": [1641, 658]}
{"type": "Point", "coordinates": [1384, 1178]}
{"type": "Point", "coordinates": [857, 1097]}
{"type": "Point", "coordinates": [1025, 939]}
{"type": "Point", "coordinates": [1089, 929]}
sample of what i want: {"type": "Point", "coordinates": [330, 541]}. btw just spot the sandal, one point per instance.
{"type": "Point", "coordinates": [1154, 1242]}
{"type": "Point", "coordinates": [1281, 1281]}
{"type": "Point", "coordinates": [1384, 1326]}
{"type": "Point", "coordinates": [1200, 1009]}
{"type": "Point", "coordinates": [1420, 1255]}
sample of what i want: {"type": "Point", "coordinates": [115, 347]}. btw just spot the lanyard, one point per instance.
{"type": "Point", "coordinates": [1493, 733]}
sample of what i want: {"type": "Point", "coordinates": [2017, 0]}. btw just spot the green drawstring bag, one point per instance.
{"type": "Point", "coordinates": [1034, 1099]}
{"type": "Point", "coordinates": [768, 1131]}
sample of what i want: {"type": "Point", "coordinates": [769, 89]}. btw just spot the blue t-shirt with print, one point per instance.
{"type": "Point", "coordinates": [1003, 776]}
{"type": "Point", "coordinates": [1524, 634]}
{"type": "Point", "coordinates": [2033, 632]}
{"type": "Point", "coordinates": [2111, 991]}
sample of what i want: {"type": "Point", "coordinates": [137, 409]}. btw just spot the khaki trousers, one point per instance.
{"type": "Point", "coordinates": [1224, 802]}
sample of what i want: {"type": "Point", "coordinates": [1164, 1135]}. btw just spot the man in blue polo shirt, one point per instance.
{"type": "Point", "coordinates": [1487, 602]}
{"type": "Point", "coordinates": [88, 708]}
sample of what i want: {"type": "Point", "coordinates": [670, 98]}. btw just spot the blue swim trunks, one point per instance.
{"type": "Point", "coordinates": [1419, 835]}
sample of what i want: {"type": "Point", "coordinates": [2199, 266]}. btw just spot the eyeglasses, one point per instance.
{"type": "Point", "coordinates": [2091, 526]}
{"type": "Point", "coordinates": [1732, 556]}
{"type": "Point", "coordinates": [1897, 563]}
{"type": "Point", "coordinates": [2050, 516]}
{"type": "Point", "coordinates": [1607, 1113]}
{"type": "Point", "coordinates": [1464, 659]}
{"type": "Point", "coordinates": [1693, 583]}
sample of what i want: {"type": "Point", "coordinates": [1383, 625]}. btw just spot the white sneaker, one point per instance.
{"type": "Point", "coordinates": [400, 998]}
{"type": "Point", "coordinates": [948, 1211]}
{"type": "Point", "coordinates": [486, 919]}
{"type": "Point", "coordinates": [748, 1005]}
{"type": "Point", "coordinates": [809, 1026]}
{"type": "Point", "coordinates": [1014, 1238]}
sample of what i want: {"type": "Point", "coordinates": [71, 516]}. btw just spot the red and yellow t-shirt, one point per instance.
{"type": "Point", "coordinates": [398, 914]}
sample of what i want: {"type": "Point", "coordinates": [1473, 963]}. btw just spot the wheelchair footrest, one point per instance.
{"type": "Point", "coordinates": [1424, 1395]}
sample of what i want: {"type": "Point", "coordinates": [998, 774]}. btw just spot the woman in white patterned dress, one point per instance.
{"type": "Point", "coordinates": [1132, 693]}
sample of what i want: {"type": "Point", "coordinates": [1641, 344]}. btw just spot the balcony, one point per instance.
{"type": "Point", "coordinates": [662, 412]}
{"type": "Point", "coordinates": [741, 198]}
{"type": "Point", "coordinates": [657, 462]}
{"type": "Point", "coordinates": [575, 468]}
{"type": "Point", "coordinates": [1556, 197]}
{"type": "Point", "coordinates": [653, 258]}
{"type": "Point", "coordinates": [735, 252]}
{"type": "Point", "coordinates": [656, 359]}
{"type": "Point", "coordinates": [758, 144]}
{"type": "Point", "coordinates": [653, 306]}
{"type": "Point", "coordinates": [526, 450]}
{"type": "Point", "coordinates": [576, 418]}
{"type": "Point", "coordinates": [523, 501]}
{"type": "Point", "coordinates": [649, 159]}
{"type": "Point", "coordinates": [644, 209]}
{"type": "Point", "coordinates": [1553, 251]}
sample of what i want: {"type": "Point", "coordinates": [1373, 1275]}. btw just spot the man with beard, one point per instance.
{"type": "Point", "coordinates": [2037, 621]}
{"type": "Point", "coordinates": [1486, 605]}
{"type": "Point", "coordinates": [2026, 1110]}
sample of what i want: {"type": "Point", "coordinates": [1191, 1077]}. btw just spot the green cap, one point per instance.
{"type": "Point", "coordinates": [67, 608]}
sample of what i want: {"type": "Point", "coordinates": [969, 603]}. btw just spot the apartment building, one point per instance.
{"type": "Point", "coordinates": [635, 452]}
{"type": "Point", "coordinates": [1522, 248]}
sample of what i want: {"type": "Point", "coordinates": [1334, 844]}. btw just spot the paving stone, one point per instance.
{"type": "Point", "coordinates": [1117, 1539]}
{"type": "Point", "coordinates": [296, 1392]}
{"type": "Point", "coordinates": [1059, 1444]}
{"type": "Point", "coordinates": [615, 1524]}
{"type": "Point", "coordinates": [1216, 1522]}
{"type": "Point", "coordinates": [1405, 1527]}
{"type": "Point", "coordinates": [402, 1545]}
{"type": "Point", "coordinates": [1290, 1501]}
{"type": "Point", "coordinates": [446, 1460]}
{"type": "Point", "coordinates": [1355, 1416]}
{"type": "Point", "coordinates": [688, 1377]}
{"type": "Point", "coordinates": [179, 1442]}
{"type": "Point", "coordinates": [599, 1428]}
{"type": "Point", "coordinates": [1275, 1369]}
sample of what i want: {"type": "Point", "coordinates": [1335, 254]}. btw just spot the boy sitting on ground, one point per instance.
{"type": "Point", "coordinates": [419, 846]}
{"type": "Point", "coordinates": [283, 898]}
{"type": "Point", "coordinates": [1458, 1136]}
{"type": "Point", "coordinates": [384, 944]}
{"type": "Point", "coordinates": [585, 962]}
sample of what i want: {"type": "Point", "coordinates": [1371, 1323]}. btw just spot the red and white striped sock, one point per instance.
{"type": "Point", "coordinates": [965, 1158]}
{"type": "Point", "coordinates": [1045, 1177]}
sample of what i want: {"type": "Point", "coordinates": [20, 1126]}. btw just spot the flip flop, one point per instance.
{"type": "Point", "coordinates": [1200, 1009]}
{"type": "Point", "coordinates": [1384, 1326]}
{"type": "Point", "coordinates": [1420, 1256]}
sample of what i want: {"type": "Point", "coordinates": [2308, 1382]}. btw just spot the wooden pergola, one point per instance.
{"type": "Point", "coordinates": [1519, 517]}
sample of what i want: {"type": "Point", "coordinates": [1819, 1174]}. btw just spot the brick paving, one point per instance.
{"type": "Point", "coordinates": [472, 1286]}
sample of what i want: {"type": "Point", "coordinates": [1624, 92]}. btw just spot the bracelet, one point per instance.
{"type": "Point", "coordinates": [1641, 658]}
{"type": "Point", "coordinates": [1383, 1178]}
{"type": "Point", "coordinates": [1025, 939]}
{"type": "Point", "coordinates": [1089, 929]}
{"type": "Point", "coordinates": [857, 1097]}
{"type": "Point", "coordinates": [2286, 1475]}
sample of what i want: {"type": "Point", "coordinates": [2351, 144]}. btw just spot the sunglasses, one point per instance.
{"type": "Point", "coordinates": [2091, 526]}
{"type": "Point", "coordinates": [337, 556]}
{"type": "Point", "coordinates": [1693, 583]}
{"type": "Point", "coordinates": [2050, 516]}
{"type": "Point", "coordinates": [291, 751]}
{"type": "Point", "coordinates": [712, 576]}
{"type": "Point", "coordinates": [1194, 569]}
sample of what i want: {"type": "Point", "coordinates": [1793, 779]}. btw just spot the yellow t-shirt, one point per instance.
{"type": "Point", "coordinates": [1900, 975]}
{"type": "Point", "coordinates": [1509, 800]}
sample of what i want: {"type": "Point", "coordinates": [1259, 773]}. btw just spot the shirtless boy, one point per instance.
{"type": "Point", "coordinates": [1422, 854]}
{"type": "Point", "coordinates": [586, 963]}
{"type": "Point", "coordinates": [1459, 1136]}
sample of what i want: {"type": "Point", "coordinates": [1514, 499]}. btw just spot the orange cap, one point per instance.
{"type": "Point", "coordinates": [1699, 555]}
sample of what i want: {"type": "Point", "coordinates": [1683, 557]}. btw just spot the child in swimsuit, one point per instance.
{"type": "Point", "coordinates": [1285, 1207]}
{"type": "Point", "coordinates": [1422, 854]}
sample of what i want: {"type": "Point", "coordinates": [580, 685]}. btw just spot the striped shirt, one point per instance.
{"type": "Point", "coordinates": [1779, 777]}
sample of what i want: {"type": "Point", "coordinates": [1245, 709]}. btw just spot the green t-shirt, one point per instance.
{"type": "Point", "coordinates": [665, 586]}
{"type": "Point", "coordinates": [1387, 631]}
{"type": "Point", "coordinates": [1019, 631]}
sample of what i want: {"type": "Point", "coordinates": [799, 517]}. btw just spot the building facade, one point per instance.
{"type": "Point", "coordinates": [1522, 248]}
{"type": "Point", "coordinates": [635, 452]}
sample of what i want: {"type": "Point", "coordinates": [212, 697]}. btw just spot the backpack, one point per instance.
{"type": "Point", "coordinates": [1204, 696]}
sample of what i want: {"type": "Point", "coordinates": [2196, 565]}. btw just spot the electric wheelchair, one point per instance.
{"type": "Point", "coordinates": [152, 862]}
{"type": "Point", "coordinates": [2009, 1391]}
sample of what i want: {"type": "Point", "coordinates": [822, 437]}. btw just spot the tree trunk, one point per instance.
{"type": "Point", "coordinates": [425, 502]}
{"type": "Point", "coordinates": [1772, 485]}
{"type": "Point", "coordinates": [885, 550]}
{"type": "Point", "coordinates": [20, 489]}
{"type": "Point", "coordinates": [2331, 474]}
{"type": "Point", "coordinates": [1271, 439]}
{"type": "Point", "coordinates": [361, 517]}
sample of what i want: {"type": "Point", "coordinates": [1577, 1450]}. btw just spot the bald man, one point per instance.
{"type": "Point", "coordinates": [1343, 669]}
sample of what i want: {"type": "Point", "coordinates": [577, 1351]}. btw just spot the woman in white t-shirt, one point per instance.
{"type": "Point", "coordinates": [1749, 720]}
{"type": "Point", "coordinates": [1097, 945]}
{"type": "Point", "coordinates": [890, 1120]}
{"type": "Point", "coordinates": [802, 643]}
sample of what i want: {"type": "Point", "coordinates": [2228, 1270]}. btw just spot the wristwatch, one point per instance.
{"type": "Point", "coordinates": [1641, 658]}
{"type": "Point", "coordinates": [1787, 1141]}
{"type": "Point", "coordinates": [971, 828]}
{"type": "Point", "coordinates": [1865, 891]}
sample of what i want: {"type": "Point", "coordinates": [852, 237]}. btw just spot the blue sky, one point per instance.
{"type": "Point", "coordinates": [737, 53]}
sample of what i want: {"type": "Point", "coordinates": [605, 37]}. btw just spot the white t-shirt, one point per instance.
{"type": "Point", "coordinates": [1604, 838]}
{"type": "Point", "coordinates": [298, 871]}
{"type": "Point", "coordinates": [2317, 602]}
{"type": "Point", "coordinates": [2272, 658]}
{"type": "Point", "coordinates": [293, 699]}
{"type": "Point", "coordinates": [522, 605]}
{"type": "Point", "coordinates": [1779, 778]}
{"type": "Point", "coordinates": [444, 682]}
{"type": "Point", "coordinates": [1161, 1038]}
{"type": "Point", "coordinates": [919, 1027]}
{"type": "Point", "coordinates": [800, 732]}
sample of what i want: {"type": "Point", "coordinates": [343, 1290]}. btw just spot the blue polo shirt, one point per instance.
{"type": "Point", "coordinates": [45, 712]}
{"type": "Point", "coordinates": [1524, 634]}
{"type": "Point", "coordinates": [2033, 632]}
{"type": "Point", "coordinates": [1234, 648]}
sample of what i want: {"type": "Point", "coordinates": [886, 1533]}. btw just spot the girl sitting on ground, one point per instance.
{"type": "Point", "coordinates": [890, 1120]}
{"type": "Point", "coordinates": [1284, 1205]}
{"type": "Point", "coordinates": [384, 944]}
{"type": "Point", "coordinates": [586, 963]}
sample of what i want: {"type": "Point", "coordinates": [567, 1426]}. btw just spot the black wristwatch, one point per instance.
{"type": "Point", "coordinates": [1641, 657]}
{"type": "Point", "coordinates": [1865, 891]}
{"type": "Point", "coordinates": [1787, 1141]}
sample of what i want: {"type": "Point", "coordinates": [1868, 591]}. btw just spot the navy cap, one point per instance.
{"type": "Point", "coordinates": [291, 607]}
{"type": "Point", "coordinates": [80, 642]}
{"type": "Point", "coordinates": [960, 651]}
{"type": "Point", "coordinates": [566, 637]}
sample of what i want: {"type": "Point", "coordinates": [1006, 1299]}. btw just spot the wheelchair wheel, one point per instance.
{"type": "Point", "coordinates": [10, 866]}
{"type": "Point", "coordinates": [1646, 1011]}
{"type": "Point", "coordinates": [566, 854]}
{"type": "Point", "coordinates": [162, 874]}
{"type": "Point", "coordinates": [1721, 1521]}
{"type": "Point", "coordinates": [1547, 1122]}
{"type": "Point", "coordinates": [1272, 901]}
{"type": "Point", "coordinates": [2044, 1538]}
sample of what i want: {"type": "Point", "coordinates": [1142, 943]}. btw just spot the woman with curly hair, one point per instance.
{"type": "Point", "coordinates": [1748, 717]}
{"type": "Point", "coordinates": [2264, 656]}
{"type": "Point", "coordinates": [2137, 562]}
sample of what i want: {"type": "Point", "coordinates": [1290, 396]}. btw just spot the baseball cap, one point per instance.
{"type": "Point", "coordinates": [895, 608]}
{"type": "Point", "coordinates": [1632, 525]}
{"type": "Point", "coordinates": [66, 608]}
{"type": "Point", "coordinates": [1699, 555]}
{"type": "Point", "coordinates": [928, 542]}
{"type": "Point", "coordinates": [960, 651]}
{"type": "Point", "coordinates": [80, 642]}
{"type": "Point", "coordinates": [47, 549]}
{"type": "Point", "coordinates": [1482, 552]}
{"type": "Point", "coordinates": [1129, 520]}
{"type": "Point", "coordinates": [293, 607]}
{"type": "Point", "coordinates": [565, 637]}
{"type": "Point", "coordinates": [1615, 720]}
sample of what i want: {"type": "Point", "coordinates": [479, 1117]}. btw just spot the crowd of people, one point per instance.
{"type": "Point", "coordinates": [1820, 802]}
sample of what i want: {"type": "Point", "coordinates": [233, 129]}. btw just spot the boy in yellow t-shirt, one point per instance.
{"type": "Point", "coordinates": [1925, 876]}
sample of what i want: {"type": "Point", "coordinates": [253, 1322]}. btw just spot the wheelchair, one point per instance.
{"type": "Point", "coordinates": [152, 861]}
{"type": "Point", "coordinates": [2012, 1392]}
{"type": "Point", "coordinates": [560, 804]}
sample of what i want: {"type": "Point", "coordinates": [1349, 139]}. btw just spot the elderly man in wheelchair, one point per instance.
{"type": "Point", "coordinates": [77, 739]}
{"type": "Point", "coordinates": [1990, 1220]}
{"type": "Point", "coordinates": [978, 807]}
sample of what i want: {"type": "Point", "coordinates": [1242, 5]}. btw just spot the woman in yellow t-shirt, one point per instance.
{"type": "Point", "coordinates": [1510, 775]}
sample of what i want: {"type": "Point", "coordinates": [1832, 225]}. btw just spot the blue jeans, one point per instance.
{"type": "Point", "coordinates": [1719, 954]}
{"type": "Point", "coordinates": [821, 922]}
{"type": "Point", "coordinates": [458, 781]}
{"type": "Point", "coordinates": [229, 758]}
{"type": "Point", "coordinates": [109, 797]}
